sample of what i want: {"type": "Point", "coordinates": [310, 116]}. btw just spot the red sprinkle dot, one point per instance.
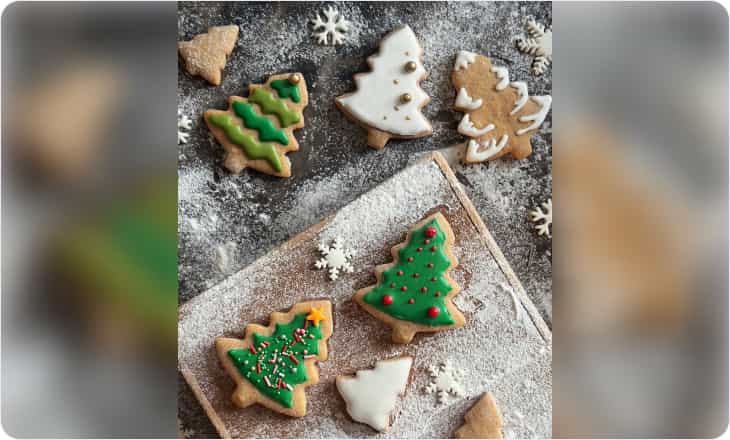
{"type": "Point", "coordinates": [411, 301]}
{"type": "Point", "coordinates": [410, 259]}
{"type": "Point", "coordinates": [431, 232]}
{"type": "Point", "coordinates": [433, 279]}
{"type": "Point", "coordinates": [438, 294]}
{"type": "Point", "coordinates": [387, 300]}
{"type": "Point", "coordinates": [433, 248]}
{"type": "Point", "coordinates": [404, 288]}
{"type": "Point", "coordinates": [392, 285]}
{"type": "Point", "coordinates": [400, 273]}
{"type": "Point", "coordinates": [424, 290]}
{"type": "Point", "coordinates": [433, 312]}
{"type": "Point", "coordinates": [415, 275]}
{"type": "Point", "coordinates": [420, 249]}
{"type": "Point", "coordinates": [430, 265]}
{"type": "Point", "coordinates": [426, 241]}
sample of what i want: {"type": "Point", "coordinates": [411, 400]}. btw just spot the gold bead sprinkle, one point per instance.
{"type": "Point", "coordinates": [411, 66]}
{"type": "Point", "coordinates": [294, 78]}
{"type": "Point", "coordinates": [406, 97]}
{"type": "Point", "coordinates": [396, 81]}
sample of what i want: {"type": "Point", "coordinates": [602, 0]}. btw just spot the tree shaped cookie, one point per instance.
{"type": "Point", "coordinates": [273, 365]}
{"type": "Point", "coordinates": [482, 421]}
{"type": "Point", "coordinates": [500, 116]}
{"type": "Point", "coordinates": [371, 394]}
{"type": "Point", "coordinates": [388, 100]}
{"type": "Point", "coordinates": [258, 131]}
{"type": "Point", "coordinates": [414, 293]}
{"type": "Point", "coordinates": [206, 54]}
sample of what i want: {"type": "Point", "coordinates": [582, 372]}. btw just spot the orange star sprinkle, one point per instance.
{"type": "Point", "coordinates": [315, 315]}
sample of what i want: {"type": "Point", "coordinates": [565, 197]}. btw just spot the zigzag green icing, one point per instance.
{"type": "Point", "coordinates": [285, 89]}
{"type": "Point", "coordinates": [252, 148]}
{"type": "Point", "coordinates": [267, 131]}
{"type": "Point", "coordinates": [273, 106]}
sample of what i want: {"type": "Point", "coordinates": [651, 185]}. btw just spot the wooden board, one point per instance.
{"type": "Point", "coordinates": [504, 347]}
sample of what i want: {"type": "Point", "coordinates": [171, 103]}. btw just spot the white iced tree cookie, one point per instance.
{"type": "Point", "coordinates": [335, 258]}
{"type": "Point", "coordinates": [371, 394]}
{"type": "Point", "coordinates": [540, 44]}
{"type": "Point", "coordinates": [388, 100]}
{"type": "Point", "coordinates": [501, 116]}
{"type": "Point", "coordinates": [333, 29]}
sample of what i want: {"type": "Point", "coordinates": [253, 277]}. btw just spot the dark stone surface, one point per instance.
{"type": "Point", "coordinates": [226, 222]}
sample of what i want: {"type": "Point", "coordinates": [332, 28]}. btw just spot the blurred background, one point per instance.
{"type": "Point", "coordinates": [89, 277]}
{"type": "Point", "coordinates": [89, 219]}
{"type": "Point", "coordinates": [640, 243]}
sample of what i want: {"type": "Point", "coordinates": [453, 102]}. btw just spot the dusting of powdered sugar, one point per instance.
{"type": "Point", "coordinates": [496, 353]}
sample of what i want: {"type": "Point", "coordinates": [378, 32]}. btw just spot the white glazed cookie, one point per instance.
{"type": "Point", "coordinates": [388, 100]}
{"type": "Point", "coordinates": [371, 394]}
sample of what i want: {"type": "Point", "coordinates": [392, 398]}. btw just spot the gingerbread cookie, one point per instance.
{"type": "Point", "coordinates": [273, 365]}
{"type": "Point", "coordinates": [371, 394]}
{"type": "Point", "coordinates": [206, 54]}
{"type": "Point", "coordinates": [414, 293]}
{"type": "Point", "coordinates": [388, 100]}
{"type": "Point", "coordinates": [258, 131]}
{"type": "Point", "coordinates": [482, 420]}
{"type": "Point", "coordinates": [500, 116]}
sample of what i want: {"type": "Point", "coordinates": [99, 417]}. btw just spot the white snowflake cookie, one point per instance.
{"type": "Point", "coordinates": [546, 217]}
{"type": "Point", "coordinates": [335, 258]}
{"type": "Point", "coordinates": [446, 381]}
{"type": "Point", "coordinates": [332, 30]}
{"type": "Point", "coordinates": [539, 44]}
{"type": "Point", "coordinates": [183, 124]}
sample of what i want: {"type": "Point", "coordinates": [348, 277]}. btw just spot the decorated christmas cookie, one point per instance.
{"type": "Point", "coordinates": [258, 131]}
{"type": "Point", "coordinates": [273, 365]}
{"type": "Point", "coordinates": [388, 100]}
{"type": "Point", "coordinates": [371, 394]}
{"type": "Point", "coordinates": [482, 421]}
{"type": "Point", "coordinates": [501, 116]}
{"type": "Point", "coordinates": [414, 293]}
{"type": "Point", "coordinates": [206, 54]}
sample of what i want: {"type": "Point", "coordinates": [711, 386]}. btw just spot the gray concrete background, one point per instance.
{"type": "Point", "coordinates": [226, 222]}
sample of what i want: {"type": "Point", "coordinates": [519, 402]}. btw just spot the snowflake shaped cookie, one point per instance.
{"type": "Point", "coordinates": [336, 26]}
{"type": "Point", "coordinates": [335, 258]}
{"type": "Point", "coordinates": [546, 217]}
{"type": "Point", "coordinates": [183, 123]}
{"type": "Point", "coordinates": [540, 44]}
{"type": "Point", "coordinates": [445, 381]}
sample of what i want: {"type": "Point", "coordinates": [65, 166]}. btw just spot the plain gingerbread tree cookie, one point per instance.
{"type": "Point", "coordinates": [206, 54]}
{"type": "Point", "coordinates": [388, 100]}
{"type": "Point", "coordinates": [482, 421]}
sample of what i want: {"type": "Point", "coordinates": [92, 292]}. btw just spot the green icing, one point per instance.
{"type": "Point", "coordinates": [290, 372]}
{"type": "Point", "coordinates": [267, 131]}
{"type": "Point", "coordinates": [252, 148]}
{"type": "Point", "coordinates": [285, 89]}
{"type": "Point", "coordinates": [416, 275]}
{"type": "Point", "coordinates": [272, 106]}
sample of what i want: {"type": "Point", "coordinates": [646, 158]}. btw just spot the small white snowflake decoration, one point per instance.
{"type": "Point", "coordinates": [335, 26]}
{"type": "Point", "coordinates": [445, 381]}
{"type": "Point", "coordinates": [546, 217]}
{"type": "Point", "coordinates": [183, 123]}
{"type": "Point", "coordinates": [540, 44]}
{"type": "Point", "coordinates": [335, 258]}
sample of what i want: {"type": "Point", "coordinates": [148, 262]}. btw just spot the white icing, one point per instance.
{"type": "Point", "coordinates": [522, 95]}
{"type": "Point", "coordinates": [335, 26]}
{"type": "Point", "coordinates": [464, 101]}
{"type": "Point", "coordinates": [503, 76]}
{"type": "Point", "coordinates": [463, 59]}
{"type": "Point", "coordinates": [490, 149]}
{"type": "Point", "coordinates": [377, 101]}
{"type": "Point", "coordinates": [537, 118]}
{"type": "Point", "coordinates": [466, 127]}
{"type": "Point", "coordinates": [336, 258]}
{"type": "Point", "coordinates": [371, 395]}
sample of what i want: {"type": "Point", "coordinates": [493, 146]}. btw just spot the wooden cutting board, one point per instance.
{"type": "Point", "coordinates": [504, 348]}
